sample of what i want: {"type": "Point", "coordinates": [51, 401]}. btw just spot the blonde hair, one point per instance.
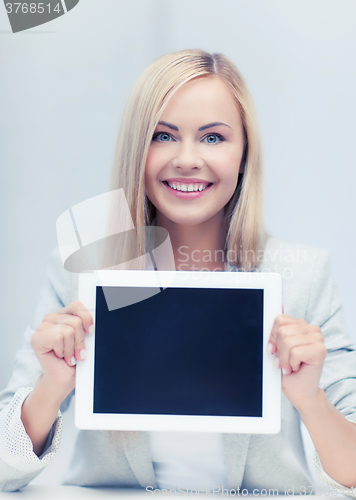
{"type": "Point", "coordinates": [156, 85]}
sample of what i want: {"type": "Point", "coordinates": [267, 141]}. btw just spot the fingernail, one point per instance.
{"type": "Point", "coordinates": [269, 347]}
{"type": "Point", "coordinates": [83, 354]}
{"type": "Point", "coordinates": [276, 362]}
{"type": "Point", "coordinates": [73, 361]}
{"type": "Point", "coordinates": [91, 328]}
{"type": "Point", "coordinates": [284, 371]}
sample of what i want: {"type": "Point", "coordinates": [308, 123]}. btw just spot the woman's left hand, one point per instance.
{"type": "Point", "coordinates": [299, 350]}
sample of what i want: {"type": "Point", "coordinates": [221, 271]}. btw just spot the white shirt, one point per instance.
{"type": "Point", "coordinates": [189, 460]}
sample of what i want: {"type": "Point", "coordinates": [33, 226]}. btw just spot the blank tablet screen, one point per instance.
{"type": "Point", "coordinates": [183, 351]}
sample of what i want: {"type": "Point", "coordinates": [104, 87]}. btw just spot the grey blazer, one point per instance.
{"type": "Point", "coordinates": [252, 461]}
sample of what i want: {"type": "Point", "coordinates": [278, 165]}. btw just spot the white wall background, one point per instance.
{"type": "Point", "coordinates": [64, 85]}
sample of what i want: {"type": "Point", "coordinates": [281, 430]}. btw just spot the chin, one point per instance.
{"type": "Point", "coordinates": [192, 220]}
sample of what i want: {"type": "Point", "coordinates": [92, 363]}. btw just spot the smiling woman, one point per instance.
{"type": "Point", "coordinates": [191, 122]}
{"type": "Point", "coordinates": [189, 160]}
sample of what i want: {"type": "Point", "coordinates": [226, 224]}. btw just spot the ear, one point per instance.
{"type": "Point", "coordinates": [244, 154]}
{"type": "Point", "coordinates": [243, 160]}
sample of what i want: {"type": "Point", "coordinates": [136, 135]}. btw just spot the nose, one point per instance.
{"type": "Point", "coordinates": [188, 157]}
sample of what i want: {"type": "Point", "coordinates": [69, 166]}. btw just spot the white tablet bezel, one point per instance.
{"type": "Point", "coordinates": [270, 422]}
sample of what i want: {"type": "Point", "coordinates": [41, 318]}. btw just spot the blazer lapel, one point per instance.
{"type": "Point", "coordinates": [137, 451]}
{"type": "Point", "coordinates": [235, 448]}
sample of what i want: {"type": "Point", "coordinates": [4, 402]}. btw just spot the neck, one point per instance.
{"type": "Point", "coordinates": [198, 247]}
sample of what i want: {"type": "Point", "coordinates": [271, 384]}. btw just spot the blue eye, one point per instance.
{"type": "Point", "coordinates": [162, 137]}
{"type": "Point", "coordinates": [213, 138]}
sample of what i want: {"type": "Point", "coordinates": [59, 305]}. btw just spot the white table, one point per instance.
{"type": "Point", "coordinates": [32, 492]}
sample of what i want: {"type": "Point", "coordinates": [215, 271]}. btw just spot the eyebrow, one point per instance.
{"type": "Point", "coordinates": [215, 124]}
{"type": "Point", "coordinates": [203, 127]}
{"type": "Point", "coordinates": [169, 125]}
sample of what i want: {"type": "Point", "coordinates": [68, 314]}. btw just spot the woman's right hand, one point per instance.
{"type": "Point", "coordinates": [59, 343]}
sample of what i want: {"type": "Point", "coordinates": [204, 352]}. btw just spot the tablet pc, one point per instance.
{"type": "Point", "coordinates": [179, 351]}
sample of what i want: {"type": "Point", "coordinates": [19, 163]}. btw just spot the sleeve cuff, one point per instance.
{"type": "Point", "coordinates": [329, 481]}
{"type": "Point", "coordinates": [16, 446]}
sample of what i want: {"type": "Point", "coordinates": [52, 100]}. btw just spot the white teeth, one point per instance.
{"type": "Point", "coordinates": [187, 187]}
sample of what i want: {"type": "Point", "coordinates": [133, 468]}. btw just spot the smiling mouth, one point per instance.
{"type": "Point", "coordinates": [188, 188]}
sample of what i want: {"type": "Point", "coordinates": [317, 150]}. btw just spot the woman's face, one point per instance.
{"type": "Point", "coordinates": [195, 155]}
